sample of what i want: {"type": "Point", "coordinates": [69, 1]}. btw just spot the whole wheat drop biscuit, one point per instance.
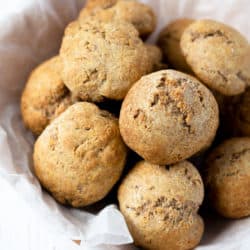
{"type": "Point", "coordinates": [168, 116]}
{"type": "Point", "coordinates": [218, 55]}
{"type": "Point", "coordinates": [80, 156]}
{"type": "Point", "coordinates": [169, 42]}
{"type": "Point", "coordinates": [102, 60]}
{"type": "Point", "coordinates": [94, 5]}
{"type": "Point", "coordinates": [155, 57]}
{"type": "Point", "coordinates": [160, 205]}
{"type": "Point", "coordinates": [45, 96]}
{"type": "Point", "coordinates": [134, 12]}
{"type": "Point", "coordinates": [227, 177]}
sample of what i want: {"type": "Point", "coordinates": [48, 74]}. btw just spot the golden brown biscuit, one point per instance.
{"type": "Point", "coordinates": [102, 59]}
{"type": "Point", "coordinates": [168, 116]}
{"type": "Point", "coordinates": [45, 96]}
{"type": "Point", "coordinates": [155, 57]}
{"type": "Point", "coordinates": [160, 205]}
{"type": "Point", "coordinates": [138, 14]}
{"type": "Point", "coordinates": [169, 42]}
{"type": "Point", "coordinates": [94, 5]}
{"type": "Point", "coordinates": [227, 177]}
{"type": "Point", "coordinates": [80, 155]}
{"type": "Point", "coordinates": [217, 54]}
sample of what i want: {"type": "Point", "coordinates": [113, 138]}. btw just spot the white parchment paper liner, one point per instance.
{"type": "Point", "coordinates": [32, 33]}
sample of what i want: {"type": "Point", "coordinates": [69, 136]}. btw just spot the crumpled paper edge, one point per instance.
{"type": "Point", "coordinates": [231, 16]}
{"type": "Point", "coordinates": [69, 222]}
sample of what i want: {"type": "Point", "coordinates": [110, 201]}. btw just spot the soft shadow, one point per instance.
{"type": "Point", "coordinates": [215, 225]}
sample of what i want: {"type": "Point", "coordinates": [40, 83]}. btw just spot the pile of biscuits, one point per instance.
{"type": "Point", "coordinates": [166, 117]}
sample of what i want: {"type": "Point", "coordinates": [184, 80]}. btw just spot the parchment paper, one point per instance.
{"type": "Point", "coordinates": [32, 33]}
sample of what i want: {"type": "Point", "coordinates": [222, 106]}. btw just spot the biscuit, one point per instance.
{"type": "Point", "coordinates": [102, 60]}
{"type": "Point", "coordinates": [169, 42]}
{"type": "Point", "coordinates": [138, 14]}
{"type": "Point", "coordinates": [45, 96]}
{"type": "Point", "coordinates": [160, 205]}
{"type": "Point", "coordinates": [94, 5]}
{"type": "Point", "coordinates": [168, 116]}
{"type": "Point", "coordinates": [155, 57]}
{"type": "Point", "coordinates": [80, 156]}
{"type": "Point", "coordinates": [218, 55]}
{"type": "Point", "coordinates": [227, 177]}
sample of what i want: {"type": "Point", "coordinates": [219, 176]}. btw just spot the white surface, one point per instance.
{"type": "Point", "coordinates": [31, 31]}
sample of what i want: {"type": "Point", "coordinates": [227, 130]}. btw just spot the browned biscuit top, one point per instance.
{"type": "Point", "coordinates": [102, 59]}
{"type": "Point", "coordinates": [138, 14]}
{"type": "Point", "coordinates": [227, 177]}
{"type": "Point", "coordinates": [168, 116]}
{"type": "Point", "coordinates": [80, 155]}
{"type": "Point", "coordinates": [45, 96]}
{"type": "Point", "coordinates": [218, 55]}
{"type": "Point", "coordinates": [169, 42]}
{"type": "Point", "coordinates": [160, 205]}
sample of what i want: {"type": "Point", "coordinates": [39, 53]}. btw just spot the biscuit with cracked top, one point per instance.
{"type": "Point", "coordinates": [227, 177]}
{"type": "Point", "coordinates": [218, 55]}
{"type": "Point", "coordinates": [138, 14]}
{"type": "Point", "coordinates": [168, 116]}
{"type": "Point", "coordinates": [45, 96]}
{"type": "Point", "coordinates": [102, 60]}
{"type": "Point", "coordinates": [160, 205]}
{"type": "Point", "coordinates": [80, 156]}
